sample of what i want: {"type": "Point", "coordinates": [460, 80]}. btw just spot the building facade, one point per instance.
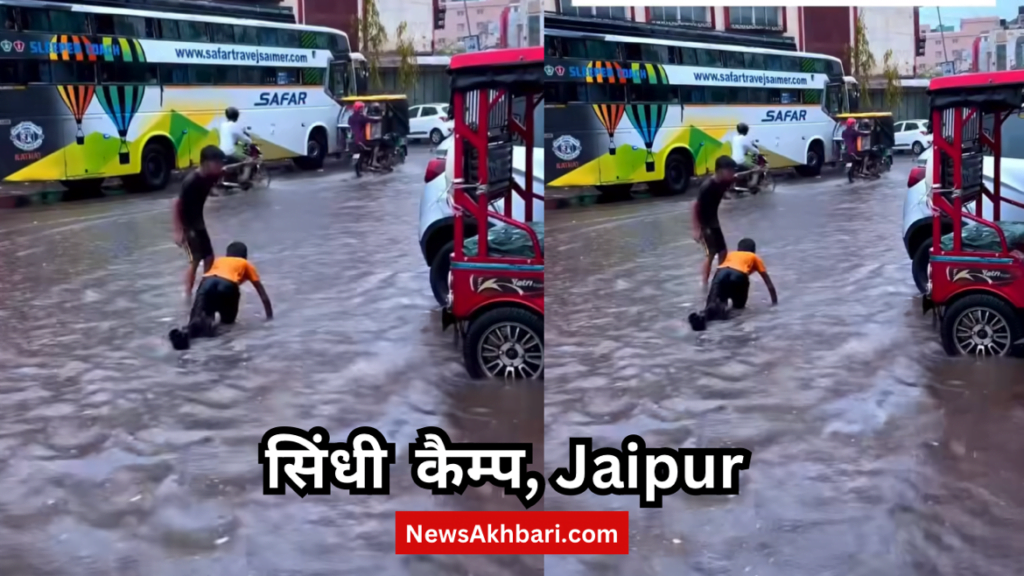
{"type": "Point", "coordinates": [956, 46]}
{"type": "Point", "coordinates": [824, 30]}
{"type": "Point", "coordinates": [343, 15]}
{"type": "Point", "coordinates": [480, 18]}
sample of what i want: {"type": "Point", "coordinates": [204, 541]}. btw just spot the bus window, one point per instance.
{"type": "Point", "coordinates": [35, 19]}
{"type": "Point", "coordinates": [646, 53]}
{"type": "Point", "coordinates": [758, 96]}
{"type": "Point", "coordinates": [268, 76]}
{"type": "Point", "coordinates": [834, 95]}
{"type": "Point", "coordinates": [790, 64]}
{"type": "Point", "coordinates": [753, 61]}
{"type": "Point", "coordinates": [717, 95]}
{"type": "Point", "coordinates": [733, 59]}
{"type": "Point", "coordinates": [288, 39]}
{"type": "Point", "coordinates": [173, 74]}
{"type": "Point", "coordinates": [611, 93]}
{"type": "Point", "coordinates": [225, 75]}
{"type": "Point", "coordinates": [362, 79]}
{"type": "Point", "coordinates": [738, 95]}
{"type": "Point", "coordinates": [322, 40]}
{"type": "Point", "coordinates": [312, 77]}
{"type": "Point", "coordinates": [73, 72]}
{"type": "Point", "coordinates": [246, 35]}
{"type": "Point", "coordinates": [835, 68]}
{"type": "Point", "coordinates": [69, 22]}
{"type": "Point", "coordinates": [9, 72]}
{"type": "Point", "coordinates": [267, 36]}
{"type": "Point", "coordinates": [711, 58]}
{"type": "Point", "coordinates": [601, 50]}
{"type": "Point", "coordinates": [249, 75]}
{"type": "Point", "coordinates": [660, 93]}
{"type": "Point", "coordinates": [339, 44]}
{"type": "Point", "coordinates": [222, 33]}
{"type": "Point", "coordinates": [820, 65]}
{"type": "Point", "coordinates": [37, 73]}
{"type": "Point", "coordinates": [127, 73]}
{"type": "Point", "coordinates": [338, 82]}
{"type": "Point", "coordinates": [552, 46]}
{"type": "Point", "coordinates": [287, 76]}
{"type": "Point", "coordinates": [169, 30]}
{"type": "Point", "coordinates": [691, 95]}
{"type": "Point", "coordinates": [563, 92]}
{"type": "Point", "coordinates": [689, 57]}
{"type": "Point", "coordinates": [772, 62]}
{"type": "Point", "coordinates": [192, 31]}
{"type": "Point", "coordinates": [198, 74]}
{"type": "Point", "coordinates": [9, 14]}
{"type": "Point", "coordinates": [120, 25]}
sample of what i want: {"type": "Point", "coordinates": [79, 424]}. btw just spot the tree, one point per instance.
{"type": "Point", "coordinates": [408, 70]}
{"type": "Point", "coordinates": [893, 85]}
{"type": "Point", "coordinates": [861, 58]}
{"type": "Point", "coordinates": [373, 39]}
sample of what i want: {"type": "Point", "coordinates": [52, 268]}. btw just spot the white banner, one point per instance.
{"type": "Point", "coordinates": [162, 51]}
{"type": "Point", "coordinates": [774, 3]}
{"type": "Point", "coordinates": [694, 76]}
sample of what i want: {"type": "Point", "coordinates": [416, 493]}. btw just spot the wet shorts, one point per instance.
{"type": "Point", "coordinates": [728, 284]}
{"type": "Point", "coordinates": [215, 296]}
{"type": "Point", "coordinates": [198, 245]}
{"type": "Point", "coordinates": [713, 241]}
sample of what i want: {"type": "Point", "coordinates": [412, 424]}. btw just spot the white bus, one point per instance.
{"type": "Point", "coordinates": [630, 103]}
{"type": "Point", "coordinates": [90, 92]}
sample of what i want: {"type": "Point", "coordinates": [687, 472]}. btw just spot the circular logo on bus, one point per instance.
{"type": "Point", "coordinates": [27, 136]}
{"type": "Point", "coordinates": [567, 147]}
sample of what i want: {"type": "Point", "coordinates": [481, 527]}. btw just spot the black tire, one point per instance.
{"type": "Point", "coordinates": [316, 151]}
{"type": "Point", "coordinates": [89, 186]}
{"type": "Point", "coordinates": [436, 136]}
{"type": "Point", "coordinates": [155, 173]}
{"type": "Point", "coordinates": [917, 148]}
{"type": "Point", "coordinates": [815, 159]}
{"type": "Point", "coordinates": [919, 266]}
{"type": "Point", "coordinates": [958, 315]}
{"type": "Point", "coordinates": [439, 268]}
{"type": "Point", "coordinates": [616, 191]}
{"type": "Point", "coordinates": [478, 336]}
{"type": "Point", "coordinates": [678, 171]}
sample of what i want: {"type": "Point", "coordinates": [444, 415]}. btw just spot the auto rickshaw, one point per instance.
{"type": "Point", "coordinates": [393, 128]}
{"type": "Point", "coordinates": [976, 272]}
{"type": "Point", "coordinates": [496, 283]}
{"type": "Point", "coordinates": [878, 144]}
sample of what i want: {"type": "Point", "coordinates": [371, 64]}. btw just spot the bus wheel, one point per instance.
{"type": "Point", "coordinates": [157, 163]}
{"type": "Point", "coordinates": [815, 158]}
{"type": "Point", "coordinates": [678, 171]}
{"type": "Point", "coordinates": [316, 151]}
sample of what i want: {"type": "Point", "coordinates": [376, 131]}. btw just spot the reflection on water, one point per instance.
{"type": "Point", "coordinates": [873, 453]}
{"type": "Point", "coordinates": [121, 457]}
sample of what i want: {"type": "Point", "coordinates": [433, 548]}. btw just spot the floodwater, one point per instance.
{"type": "Point", "coordinates": [121, 457]}
{"type": "Point", "coordinates": [873, 453]}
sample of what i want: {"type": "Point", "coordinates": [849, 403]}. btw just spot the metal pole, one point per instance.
{"type": "Point", "coordinates": [942, 34]}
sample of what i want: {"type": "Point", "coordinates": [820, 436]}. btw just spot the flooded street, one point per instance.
{"type": "Point", "coordinates": [873, 453]}
{"type": "Point", "coordinates": [121, 457]}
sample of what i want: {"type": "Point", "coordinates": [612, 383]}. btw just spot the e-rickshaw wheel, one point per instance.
{"type": "Point", "coordinates": [981, 325]}
{"type": "Point", "coordinates": [506, 343]}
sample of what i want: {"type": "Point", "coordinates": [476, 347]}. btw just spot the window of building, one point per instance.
{"type": "Point", "coordinates": [769, 17]}
{"type": "Point", "coordinates": [479, 10]}
{"type": "Point", "coordinates": [938, 42]}
{"type": "Point", "coordinates": [697, 15]}
{"type": "Point", "coordinates": [460, 13]}
{"type": "Point", "coordinates": [938, 54]}
{"type": "Point", "coordinates": [461, 27]}
{"type": "Point", "coordinates": [603, 12]}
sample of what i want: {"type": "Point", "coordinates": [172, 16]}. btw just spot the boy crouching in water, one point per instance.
{"type": "Point", "coordinates": [732, 282]}
{"type": "Point", "coordinates": [219, 293]}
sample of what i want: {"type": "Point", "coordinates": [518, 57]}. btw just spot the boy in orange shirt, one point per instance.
{"type": "Point", "coordinates": [219, 294]}
{"type": "Point", "coordinates": [732, 282]}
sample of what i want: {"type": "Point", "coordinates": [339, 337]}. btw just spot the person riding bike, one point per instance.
{"type": "Point", "coordinates": [357, 123]}
{"type": "Point", "coordinates": [851, 135]}
{"type": "Point", "coordinates": [741, 146]}
{"type": "Point", "coordinates": [231, 134]}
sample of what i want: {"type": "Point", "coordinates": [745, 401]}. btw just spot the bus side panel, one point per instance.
{"type": "Point", "coordinates": [33, 123]}
{"type": "Point", "coordinates": [574, 140]}
{"type": "Point", "coordinates": [278, 118]}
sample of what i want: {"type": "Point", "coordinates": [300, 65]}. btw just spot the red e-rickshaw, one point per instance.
{"type": "Point", "coordinates": [976, 274]}
{"type": "Point", "coordinates": [496, 283]}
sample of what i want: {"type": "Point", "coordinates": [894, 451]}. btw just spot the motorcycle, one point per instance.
{"type": "Point", "coordinates": [758, 180]}
{"type": "Point", "coordinates": [869, 169]}
{"type": "Point", "coordinates": [258, 174]}
{"type": "Point", "coordinates": [380, 158]}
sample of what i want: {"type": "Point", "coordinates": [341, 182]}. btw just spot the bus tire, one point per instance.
{"type": "Point", "coordinates": [156, 165]}
{"type": "Point", "coordinates": [815, 159]}
{"type": "Point", "coordinates": [678, 171]}
{"type": "Point", "coordinates": [316, 151]}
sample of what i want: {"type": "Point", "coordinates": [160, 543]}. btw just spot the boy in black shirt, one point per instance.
{"type": "Point", "coordinates": [189, 226]}
{"type": "Point", "coordinates": [706, 229]}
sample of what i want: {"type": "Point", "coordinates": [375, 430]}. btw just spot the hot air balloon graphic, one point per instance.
{"type": "Point", "coordinates": [608, 114]}
{"type": "Point", "coordinates": [647, 118]}
{"type": "Point", "coordinates": [76, 97]}
{"type": "Point", "coordinates": [121, 102]}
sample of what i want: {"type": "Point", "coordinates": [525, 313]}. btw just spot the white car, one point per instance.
{"type": "Point", "coordinates": [912, 135]}
{"type": "Point", "coordinates": [917, 213]}
{"type": "Point", "coordinates": [430, 121]}
{"type": "Point", "coordinates": [437, 228]}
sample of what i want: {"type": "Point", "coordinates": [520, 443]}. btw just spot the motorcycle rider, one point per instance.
{"type": "Point", "coordinates": [851, 135]}
{"type": "Point", "coordinates": [741, 146]}
{"type": "Point", "coordinates": [357, 123]}
{"type": "Point", "coordinates": [231, 133]}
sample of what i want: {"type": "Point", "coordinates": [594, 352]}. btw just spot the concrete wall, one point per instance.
{"type": "Point", "coordinates": [891, 28]}
{"type": "Point", "coordinates": [419, 18]}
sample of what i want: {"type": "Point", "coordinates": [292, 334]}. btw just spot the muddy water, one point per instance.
{"type": "Point", "coordinates": [873, 453]}
{"type": "Point", "coordinates": [121, 457]}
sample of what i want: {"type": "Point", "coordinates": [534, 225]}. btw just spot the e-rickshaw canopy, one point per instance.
{"type": "Point", "coordinates": [493, 69]}
{"type": "Point", "coordinates": [987, 91]}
